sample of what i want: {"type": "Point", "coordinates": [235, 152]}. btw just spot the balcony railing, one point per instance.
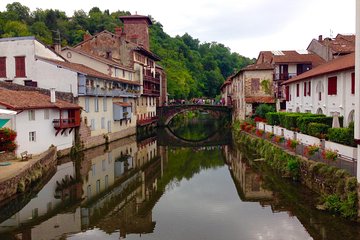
{"type": "Point", "coordinates": [284, 76]}
{"type": "Point", "coordinates": [65, 123]}
{"type": "Point", "coordinates": [151, 79]}
{"type": "Point", "coordinates": [113, 92]}
{"type": "Point", "coordinates": [151, 92]}
{"type": "Point", "coordinates": [146, 121]}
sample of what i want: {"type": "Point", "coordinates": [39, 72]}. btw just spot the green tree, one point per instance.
{"type": "Point", "coordinates": [15, 29]}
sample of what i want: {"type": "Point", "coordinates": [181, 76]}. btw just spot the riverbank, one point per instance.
{"type": "Point", "coordinates": [338, 190]}
{"type": "Point", "coordinates": [20, 175]}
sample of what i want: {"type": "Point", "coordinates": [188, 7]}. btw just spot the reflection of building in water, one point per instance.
{"type": "Point", "coordinates": [249, 181]}
{"type": "Point", "coordinates": [127, 205]}
{"type": "Point", "coordinates": [44, 205]}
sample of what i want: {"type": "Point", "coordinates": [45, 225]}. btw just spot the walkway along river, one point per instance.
{"type": "Point", "coordinates": [154, 189]}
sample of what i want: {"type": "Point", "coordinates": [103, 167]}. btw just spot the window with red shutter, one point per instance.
{"type": "Point", "coordinates": [287, 92]}
{"type": "Point", "coordinates": [352, 83]}
{"type": "Point", "coordinates": [332, 86]}
{"type": "Point", "coordinates": [2, 66]}
{"type": "Point", "coordinates": [305, 93]}
{"type": "Point", "coordinates": [309, 89]}
{"type": "Point", "coordinates": [20, 67]}
{"type": "Point", "coordinates": [297, 90]}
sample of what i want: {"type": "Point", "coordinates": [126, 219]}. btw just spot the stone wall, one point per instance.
{"type": "Point", "coordinates": [6, 156]}
{"type": "Point", "coordinates": [29, 174]}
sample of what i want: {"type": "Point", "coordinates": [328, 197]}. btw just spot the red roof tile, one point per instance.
{"type": "Point", "coordinates": [265, 99]}
{"type": "Point", "coordinates": [338, 64]}
{"type": "Point", "coordinates": [123, 104]}
{"type": "Point", "coordinates": [21, 100]}
{"type": "Point", "coordinates": [260, 66]}
{"type": "Point", "coordinates": [341, 44]}
{"type": "Point", "coordinates": [131, 17]}
{"type": "Point", "coordinates": [289, 57]}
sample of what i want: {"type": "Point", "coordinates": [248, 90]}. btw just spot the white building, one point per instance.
{"type": "Point", "coordinates": [40, 121]}
{"type": "Point", "coordinates": [327, 89]}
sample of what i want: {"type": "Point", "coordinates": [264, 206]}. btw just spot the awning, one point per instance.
{"type": "Point", "coordinates": [3, 122]}
{"type": "Point", "coordinates": [7, 112]}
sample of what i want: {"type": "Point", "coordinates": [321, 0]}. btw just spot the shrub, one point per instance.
{"type": "Point", "coordinates": [329, 154]}
{"type": "Point", "coordinates": [272, 118]}
{"type": "Point", "coordinates": [318, 130]}
{"type": "Point", "coordinates": [7, 139]}
{"type": "Point", "coordinates": [259, 132]}
{"type": "Point", "coordinates": [291, 144]}
{"type": "Point", "coordinates": [311, 149]}
{"type": "Point", "coordinates": [262, 109]}
{"type": "Point", "coordinates": [279, 139]}
{"type": "Point", "coordinates": [341, 135]}
{"type": "Point", "coordinates": [290, 121]}
{"type": "Point", "coordinates": [303, 122]}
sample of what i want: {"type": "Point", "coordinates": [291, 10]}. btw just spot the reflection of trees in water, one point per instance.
{"type": "Point", "coordinates": [194, 126]}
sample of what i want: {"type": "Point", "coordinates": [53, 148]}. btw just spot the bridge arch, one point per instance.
{"type": "Point", "coordinates": [167, 113]}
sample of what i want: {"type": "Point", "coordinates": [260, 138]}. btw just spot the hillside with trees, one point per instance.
{"type": "Point", "coordinates": [193, 69]}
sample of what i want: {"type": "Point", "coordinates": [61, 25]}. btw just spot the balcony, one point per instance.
{"type": "Point", "coordinates": [65, 123]}
{"type": "Point", "coordinates": [146, 121]}
{"type": "Point", "coordinates": [151, 79]}
{"type": "Point", "coordinates": [107, 92]}
{"type": "Point", "coordinates": [152, 92]}
{"type": "Point", "coordinates": [283, 76]}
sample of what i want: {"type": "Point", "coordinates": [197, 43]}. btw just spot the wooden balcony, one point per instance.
{"type": "Point", "coordinates": [151, 92]}
{"type": "Point", "coordinates": [151, 79]}
{"type": "Point", "coordinates": [65, 123]}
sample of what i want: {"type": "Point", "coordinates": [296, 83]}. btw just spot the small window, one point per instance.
{"type": "Point", "coordinates": [31, 115]}
{"type": "Point", "coordinates": [352, 83]}
{"type": "Point", "coordinates": [32, 136]}
{"type": "Point", "coordinates": [287, 92]}
{"type": "Point", "coordinates": [297, 90]}
{"type": "Point", "coordinates": [87, 104]}
{"type": "Point", "coordinates": [46, 114]}
{"type": "Point", "coordinates": [309, 89]}
{"type": "Point", "coordinates": [332, 85]}
{"type": "Point", "coordinates": [103, 165]}
{"type": "Point", "coordinates": [92, 127]}
{"type": "Point", "coordinates": [96, 104]}
{"type": "Point", "coordinates": [93, 170]}
{"type": "Point", "coordinates": [105, 104]}
{"type": "Point", "coordinates": [102, 123]}
{"type": "Point", "coordinates": [305, 92]}
{"type": "Point", "coordinates": [3, 67]}
{"type": "Point", "coordinates": [20, 67]}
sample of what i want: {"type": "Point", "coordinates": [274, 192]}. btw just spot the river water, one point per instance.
{"type": "Point", "coordinates": [169, 186]}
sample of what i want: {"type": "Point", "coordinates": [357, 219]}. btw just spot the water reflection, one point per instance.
{"type": "Point", "coordinates": [158, 188]}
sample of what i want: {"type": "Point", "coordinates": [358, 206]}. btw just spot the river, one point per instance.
{"type": "Point", "coordinates": [187, 182]}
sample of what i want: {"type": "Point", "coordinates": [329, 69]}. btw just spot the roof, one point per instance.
{"type": "Point", "coordinates": [227, 82]}
{"type": "Point", "coordinates": [100, 59]}
{"type": "Point", "coordinates": [122, 104]}
{"type": "Point", "coordinates": [265, 99]}
{"type": "Point", "coordinates": [341, 44]}
{"type": "Point", "coordinates": [292, 56]}
{"type": "Point", "coordinates": [136, 17]}
{"type": "Point", "coordinates": [21, 100]}
{"type": "Point", "coordinates": [86, 70]}
{"type": "Point", "coordinates": [17, 38]}
{"type": "Point", "coordinates": [147, 53]}
{"type": "Point", "coordinates": [260, 66]}
{"type": "Point", "coordinates": [338, 64]}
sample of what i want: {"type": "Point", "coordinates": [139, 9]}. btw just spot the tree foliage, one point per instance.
{"type": "Point", "coordinates": [193, 69]}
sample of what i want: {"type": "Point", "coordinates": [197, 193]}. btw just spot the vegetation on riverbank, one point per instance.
{"type": "Point", "coordinates": [337, 187]}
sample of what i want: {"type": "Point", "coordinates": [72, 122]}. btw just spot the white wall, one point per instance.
{"type": "Point", "coordinates": [45, 132]}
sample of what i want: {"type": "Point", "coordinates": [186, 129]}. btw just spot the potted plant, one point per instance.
{"type": "Point", "coordinates": [311, 149]}
{"type": "Point", "coordinates": [330, 154]}
{"type": "Point", "coordinates": [291, 143]}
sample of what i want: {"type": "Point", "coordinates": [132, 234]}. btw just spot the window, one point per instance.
{"type": "Point", "coordinates": [32, 136]}
{"type": "Point", "coordinates": [93, 170]}
{"type": "Point", "coordinates": [105, 104]}
{"type": "Point", "coordinates": [35, 213]}
{"type": "Point", "coordinates": [20, 67]}
{"type": "Point", "coordinates": [255, 85]}
{"type": "Point", "coordinates": [106, 181]}
{"type": "Point", "coordinates": [352, 83]}
{"type": "Point", "coordinates": [92, 127]}
{"type": "Point", "coordinates": [309, 89]}
{"type": "Point", "coordinates": [96, 104]}
{"type": "Point", "coordinates": [103, 165]}
{"type": "Point", "coordinates": [102, 123]}
{"type": "Point", "coordinates": [87, 104]}
{"type": "Point", "coordinates": [31, 115]}
{"type": "Point", "coordinates": [2, 66]}
{"type": "Point", "coordinates": [46, 114]}
{"type": "Point", "coordinates": [305, 92]}
{"type": "Point", "coordinates": [297, 90]}
{"type": "Point", "coordinates": [332, 85]}
{"type": "Point", "coordinates": [287, 92]}
{"type": "Point", "coordinates": [97, 186]}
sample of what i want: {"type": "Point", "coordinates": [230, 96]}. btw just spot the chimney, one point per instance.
{"type": "Point", "coordinates": [52, 95]}
{"type": "Point", "coordinates": [320, 38]}
{"type": "Point", "coordinates": [87, 36]}
{"type": "Point", "coordinates": [57, 48]}
{"type": "Point", "coordinates": [118, 31]}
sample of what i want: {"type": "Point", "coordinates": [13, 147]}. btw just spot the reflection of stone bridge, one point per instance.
{"type": "Point", "coordinates": [166, 113]}
{"type": "Point", "coordinates": [166, 137]}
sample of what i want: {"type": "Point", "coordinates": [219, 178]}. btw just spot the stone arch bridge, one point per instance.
{"type": "Point", "coordinates": [167, 113]}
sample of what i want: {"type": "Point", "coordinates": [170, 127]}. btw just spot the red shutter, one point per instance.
{"type": "Point", "coordinates": [332, 86]}
{"type": "Point", "coordinates": [287, 92]}
{"type": "Point", "coordinates": [20, 67]}
{"type": "Point", "coordinates": [309, 88]}
{"type": "Point", "coordinates": [2, 66]}
{"type": "Point", "coordinates": [352, 83]}
{"type": "Point", "coordinates": [297, 90]}
{"type": "Point", "coordinates": [305, 83]}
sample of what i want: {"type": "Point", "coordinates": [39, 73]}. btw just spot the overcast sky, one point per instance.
{"type": "Point", "coordinates": [246, 26]}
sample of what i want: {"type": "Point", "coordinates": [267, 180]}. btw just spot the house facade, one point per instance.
{"type": "Point", "coordinates": [287, 64]}
{"type": "Point", "coordinates": [41, 121]}
{"type": "Point", "coordinates": [328, 89]}
{"type": "Point", "coordinates": [252, 86]}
